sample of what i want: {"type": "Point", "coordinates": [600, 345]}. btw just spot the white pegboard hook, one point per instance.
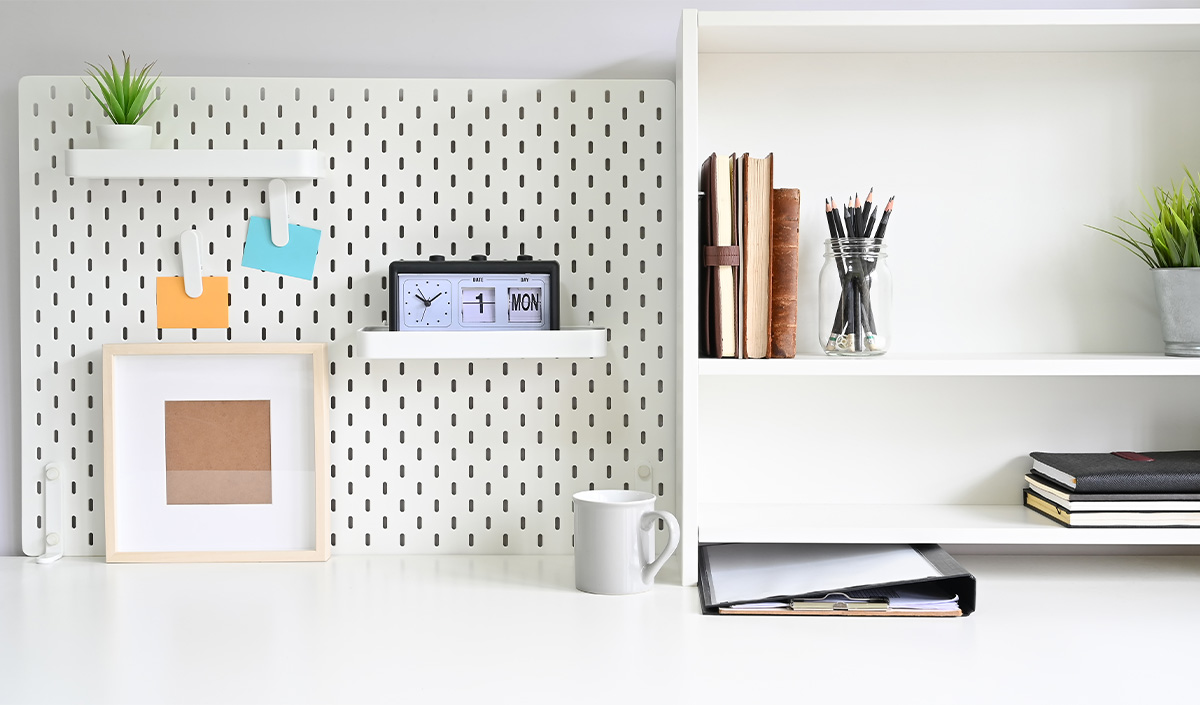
{"type": "Point", "coordinates": [52, 514]}
{"type": "Point", "coordinates": [277, 200]}
{"type": "Point", "coordinates": [189, 251]}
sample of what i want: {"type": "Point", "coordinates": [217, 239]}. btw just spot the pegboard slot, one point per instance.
{"type": "Point", "coordinates": [194, 164]}
{"type": "Point", "coordinates": [381, 343]}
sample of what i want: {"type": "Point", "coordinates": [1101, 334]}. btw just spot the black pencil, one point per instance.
{"type": "Point", "coordinates": [883, 220]}
{"type": "Point", "coordinates": [866, 229]}
{"type": "Point", "coordinates": [867, 211]}
{"type": "Point", "coordinates": [858, 222]}
{"type": "Point", "coordinates": [837, 219]}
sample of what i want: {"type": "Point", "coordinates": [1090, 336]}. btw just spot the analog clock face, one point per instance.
{"type": "Point", "coordinates": [427, 303]}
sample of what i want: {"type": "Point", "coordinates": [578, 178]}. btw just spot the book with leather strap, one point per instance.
{"type": "Point", "coordinates": [720, 261]}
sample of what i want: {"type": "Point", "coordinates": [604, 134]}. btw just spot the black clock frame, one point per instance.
{"type": "Point", "coordinates": [471, 268]}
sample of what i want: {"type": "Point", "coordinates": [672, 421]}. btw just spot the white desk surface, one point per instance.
{"type": "Point", "coordinates": [457, 629]}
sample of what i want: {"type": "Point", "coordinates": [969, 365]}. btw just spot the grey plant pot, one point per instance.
{"type": "Point", "coordinates": [1178, 291]}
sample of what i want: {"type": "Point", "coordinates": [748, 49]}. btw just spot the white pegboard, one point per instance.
{"type": "Point", "coordinates": [456, 456]}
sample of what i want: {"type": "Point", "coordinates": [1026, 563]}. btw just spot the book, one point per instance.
{"type": "Point", "coordinates": [720, 261]}
{"type": "Point", "coordinates": [756, 181]}
{"type": "Point", "coordinates": [1108, 519]}
{"type": "Point", "coordinates": [1157, 471]}
{"type": "Point", "coordinates": [785, 271]}
{"type": "Point", "coordinates": [1130, 501]}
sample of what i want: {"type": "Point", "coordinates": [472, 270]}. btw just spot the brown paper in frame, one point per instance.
{"type": "Point", "coordinates": [209, 442]}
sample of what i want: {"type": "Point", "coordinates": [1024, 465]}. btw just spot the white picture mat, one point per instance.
{"type": "Point", "coordinates": [144, 521]}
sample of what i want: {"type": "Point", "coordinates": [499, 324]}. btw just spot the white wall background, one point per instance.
{"type": "Point", "coordinates": [331, 38]}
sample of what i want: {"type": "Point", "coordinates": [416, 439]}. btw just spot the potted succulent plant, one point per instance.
{"type": "Point", "coordinates": [1171, 227]}
{"type": "Point", "coordinates": [125, 95]}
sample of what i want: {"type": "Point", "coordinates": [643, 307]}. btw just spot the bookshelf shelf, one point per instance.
{"type": "Point", "coordinates": [1007, 31]}
{"type": "Point", "coordinates": [983, 524]}
{"type": "Point", "coordinates": [1014, 365]}
{"type": "Point", "coordinates": [971, 119]}
{"type": "Point", "coordinates": [194, 164]}
{"type": "Point", "coordinates": [381, 343]}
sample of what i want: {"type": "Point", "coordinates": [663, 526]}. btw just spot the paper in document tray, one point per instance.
{"type": "Point", "coordinates": [834, 579]}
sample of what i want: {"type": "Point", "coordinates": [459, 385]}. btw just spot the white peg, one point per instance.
{"type": "Point", "coordinates": [52, 514]}
{"type": "Point", "coordinates": [277, 200]}
{"type": "Point", "coordinates": [189, 250]}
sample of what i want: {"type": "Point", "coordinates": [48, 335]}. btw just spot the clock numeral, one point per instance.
{"type": "Point", "coordinates": [478, 304]}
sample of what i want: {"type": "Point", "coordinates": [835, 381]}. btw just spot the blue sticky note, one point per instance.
{"type": "Point", "coordinates": [298, 258]}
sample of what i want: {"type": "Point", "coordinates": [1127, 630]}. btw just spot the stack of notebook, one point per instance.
{"type": "Point", "coordinates": [1121, 489]}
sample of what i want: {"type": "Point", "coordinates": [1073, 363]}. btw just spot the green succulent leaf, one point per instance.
{"type": "Point", "coordinates": [123, 93]}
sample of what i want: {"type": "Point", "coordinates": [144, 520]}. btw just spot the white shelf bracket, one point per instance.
{"type": "Point", "coordinates": [189, 251]}
{"type": "Point", "coordinates": [52, 514]}
{"type": "Point", "coordinates": [277, 199]}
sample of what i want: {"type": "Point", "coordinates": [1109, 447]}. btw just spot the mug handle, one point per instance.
{"type": "Point", "coordinates": [648, 518]}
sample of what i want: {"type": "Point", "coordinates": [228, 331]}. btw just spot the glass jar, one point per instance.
{"type": "Point", "coordinates": [855, 298]}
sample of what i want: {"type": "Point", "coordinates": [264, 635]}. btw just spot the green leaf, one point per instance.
{"type": "Point", "coordinates": [109, 103]}
{"type": "Point", "coordinates": [118, 88]}
{"type": "Point", "coordinates": [123, 94]}
{"type": "Point", "coordinates": [1171, 226]}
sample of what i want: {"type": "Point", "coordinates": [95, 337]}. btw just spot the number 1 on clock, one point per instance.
{"type": "Point", "coordinates": [478, 304]}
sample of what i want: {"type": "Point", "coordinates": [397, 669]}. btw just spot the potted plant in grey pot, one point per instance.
{"type": "Point", "coordinates": [1171, 227]}
{"type": "Point", "coordinates": [125, 95]}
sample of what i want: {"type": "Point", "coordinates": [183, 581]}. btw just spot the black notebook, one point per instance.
{"type": "Point", "coordinates": [1112, 501]}
{"type": "Point", "coordinates": [1124, 472]}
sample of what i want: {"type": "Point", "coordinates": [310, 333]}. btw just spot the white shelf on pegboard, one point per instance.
{"type": "Point", "coordinates": [194, 164]}
{"type": "Point", "coordinates": [381, 343]}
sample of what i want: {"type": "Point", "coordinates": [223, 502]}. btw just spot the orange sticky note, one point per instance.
{"type": "Point", "coordinates": [177, 310]}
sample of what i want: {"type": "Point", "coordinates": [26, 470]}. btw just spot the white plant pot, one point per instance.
{"type": "Point", "coordinates": [125, 136]}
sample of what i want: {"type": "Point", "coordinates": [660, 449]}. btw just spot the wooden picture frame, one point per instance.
{"type": "Point", "coordinates": [216, 452]}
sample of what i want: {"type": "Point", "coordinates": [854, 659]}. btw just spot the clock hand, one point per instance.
{"type": "Point", "coordinates": [427, 303]}
{"type": "Point", "coordinates": [421, 296]}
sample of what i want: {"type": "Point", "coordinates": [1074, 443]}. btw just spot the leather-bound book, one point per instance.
{"type": "Point", "coordinates": [785, 270]}
{"type": "Point", "coordinates": [720, 260]}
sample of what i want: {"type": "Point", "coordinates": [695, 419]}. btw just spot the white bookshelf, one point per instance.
{"type": "Point", "coordinates": [1002, 134]}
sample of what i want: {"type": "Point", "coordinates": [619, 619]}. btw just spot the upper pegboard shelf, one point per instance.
{"type": "Point", "coordinates": [194, 164]}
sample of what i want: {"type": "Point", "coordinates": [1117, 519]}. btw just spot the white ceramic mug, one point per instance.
{"type": "Point", "coordinates": [614, 541]}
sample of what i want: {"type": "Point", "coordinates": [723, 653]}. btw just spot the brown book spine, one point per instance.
{"type": "Point", "coordinates": [785, 270]}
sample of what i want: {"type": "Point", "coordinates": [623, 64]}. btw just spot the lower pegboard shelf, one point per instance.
{"type": "Point", "coordinates": [382, 344]}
